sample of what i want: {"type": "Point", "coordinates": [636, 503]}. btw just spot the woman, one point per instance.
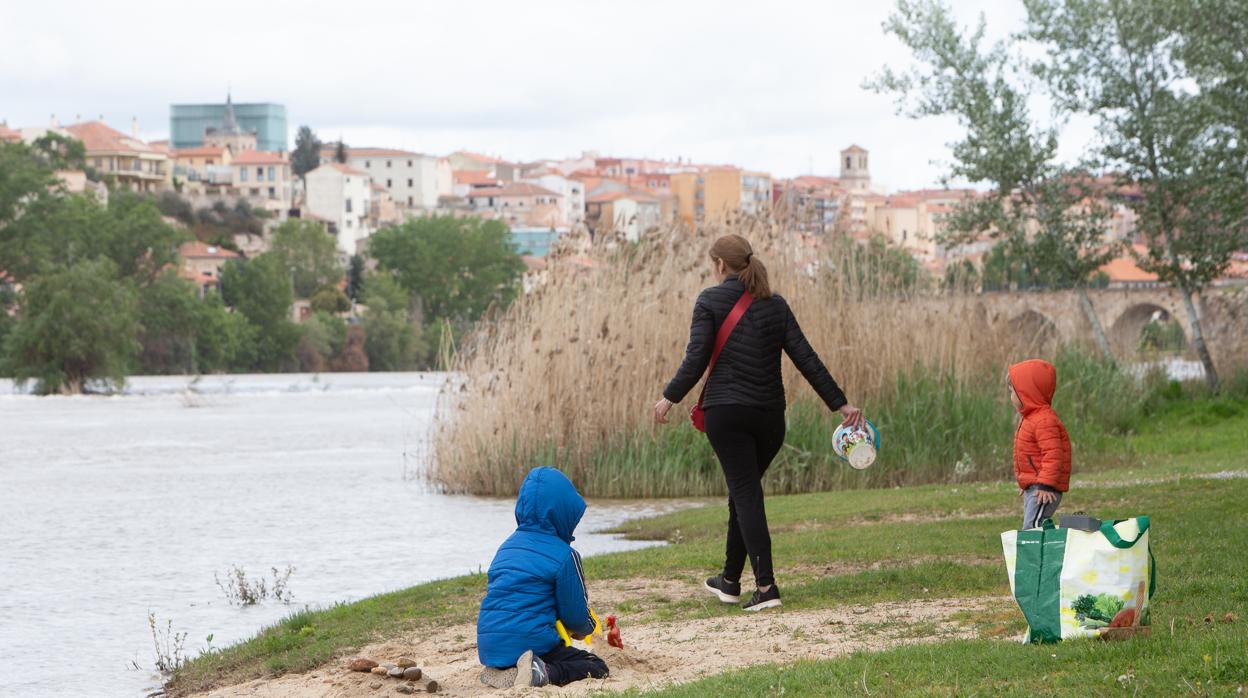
{"type": "Point", "coordinates": [744, 404]}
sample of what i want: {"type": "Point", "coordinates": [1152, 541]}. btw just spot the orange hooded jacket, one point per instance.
{"type": "Point", "coordinates": [1041, 445]}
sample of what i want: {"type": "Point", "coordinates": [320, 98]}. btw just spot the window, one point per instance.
{"type": "Point", "coordinates": [259, 174]}
{"type": "Point", "coordinates": [389, 183]}
{"type": "Point", "coordinates": [367, 163]}
{"type": "Point", "coordinates": [255, 191]}
{"type": "Point", "coordinates": [409, 164]}
{"type": "Point", "coordinates": [99, 162]}
{"type": "Point", "coordinates": [409, 183]}
{"type": "Point", "coordinates": [348, 204]}
{"type": "Point", "coordinates": [387, 163]}
{"type": "Point", "coordinates": [272, 173]}
{"type": "Point", "coordinates": [350, 223]}
{"type": "Point", "coordinates": [242, 174]}
{"type": "Point", "coordinates": [272, 193]}
{"type": "Point", "coordinates": [849, 163]}
{"type": "Point", "coordinates": [409, 201]}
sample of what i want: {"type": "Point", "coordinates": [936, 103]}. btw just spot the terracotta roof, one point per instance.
{"type": "Point", "coordinates": [475, 177]}
{"type": "Point", "coordinates": [8, 134]}
{"type": "Point", "coordinates": [1125, 269]}
{"type": "Point", "coordinates": [533, 263]}
{"type": "Point", "coordinates": [98, 136]}
{"type": "Point", "coordinates": [515, 189]}
{"type": "Point", "coordinates": [343, 169]}
{"type": "Point", "coordinates": [202, 151]}
{"type": "Point", "coordinates": [331, 148]}
{"type": "Point", "coordinates": [617, 195]}
{"type": "Point", "coordinates": [200, 250]}
{"type": "Point", "coordinates": [479, 157]}
{"type": "Point", "coordinates": [258, 157]}
{"type": "Point", "coordinates": [854, 148]}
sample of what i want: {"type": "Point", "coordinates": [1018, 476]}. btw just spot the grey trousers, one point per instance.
{"type": "Point", "coordinates": [1034, 513]}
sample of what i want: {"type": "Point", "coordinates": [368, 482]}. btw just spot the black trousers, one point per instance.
{"type": "Point", "coordinates": [746, 440]}
{"type": "Point", "coordinates": [567, 664]}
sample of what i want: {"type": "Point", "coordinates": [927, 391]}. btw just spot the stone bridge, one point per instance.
{"type": "Point", "coordinates": [1056, 317]}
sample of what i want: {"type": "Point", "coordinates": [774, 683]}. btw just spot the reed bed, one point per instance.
{"type": "Point", "coordinates": [568, 375]}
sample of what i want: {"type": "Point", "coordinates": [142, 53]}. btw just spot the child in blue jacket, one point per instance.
{"type": "Point", "coordinates": [534, 580]}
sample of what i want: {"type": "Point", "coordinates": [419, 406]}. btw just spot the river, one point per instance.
{"type": "Point", "coordinates": [112, 508]}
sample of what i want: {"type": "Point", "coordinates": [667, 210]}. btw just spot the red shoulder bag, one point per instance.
{"type": "Point", "coordinates": [696, 415]}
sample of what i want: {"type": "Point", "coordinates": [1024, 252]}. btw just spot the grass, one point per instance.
{"type": "Point", "coordinates": [868, 545]}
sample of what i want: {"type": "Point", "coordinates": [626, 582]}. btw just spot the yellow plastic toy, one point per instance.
{"type": "Point", "coordinates": [589, 639]}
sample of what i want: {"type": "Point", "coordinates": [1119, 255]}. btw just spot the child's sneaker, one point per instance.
{"type": "Point", "coordinates": [498, 678]}
{"type": "Point", "coordinates": [763, 599]}
{"type": "Point", "coordinates": [531, 670]}
{"type": "Point", "coordinates": [728, 592]}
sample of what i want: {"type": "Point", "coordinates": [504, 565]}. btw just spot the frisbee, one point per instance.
{"type": "Point", "coordinates": [858, 447]}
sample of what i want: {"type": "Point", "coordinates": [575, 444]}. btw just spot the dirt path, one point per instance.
{"type": "Point", "coordinates": [656, 654]}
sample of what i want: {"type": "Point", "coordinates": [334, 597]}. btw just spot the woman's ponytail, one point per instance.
{"type": "Point", "coordinates": [740, 259]}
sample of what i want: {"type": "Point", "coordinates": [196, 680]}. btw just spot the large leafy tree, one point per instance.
{"type": "Point", "coordinates": [310, 255]}
{"type": "Point", "coordinates": [457, 267]}
{"type": "Point", "coordinates": [307, 154]}
{"type": "Point", "coordinates": [1125, 64]}
{"type": "Point", "coordinates": [391, 339]}
{"type": "Point", "coordinates": [1044, 215]}
{"type": "Point", "coordinates": [260, 289]}
{"type": "Point", "coordinates": [77, 326]}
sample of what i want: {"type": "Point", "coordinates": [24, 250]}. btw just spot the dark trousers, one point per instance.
{"type": "Point", "coordinates": [746, 439]}
{"type": "Point", "coordinates": [567, 664]}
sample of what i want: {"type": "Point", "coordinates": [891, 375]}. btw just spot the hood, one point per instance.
{"type": "Point", "coordinates": [1034, 380]}
{"type": "Point", "coordinates": [548, 502]}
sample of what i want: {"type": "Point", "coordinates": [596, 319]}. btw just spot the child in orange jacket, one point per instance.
{"type": "Point", "coordinates": [1041, 445]}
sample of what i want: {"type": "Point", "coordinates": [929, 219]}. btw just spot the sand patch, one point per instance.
{"type": "Point", "coordinates": [656, 654]}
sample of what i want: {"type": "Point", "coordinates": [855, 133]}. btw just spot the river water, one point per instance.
{"type": "Point", "coordinates": [112, 508]}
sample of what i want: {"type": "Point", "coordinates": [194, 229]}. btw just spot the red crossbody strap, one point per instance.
{"type": "Point", "coordinates": [721, 338]}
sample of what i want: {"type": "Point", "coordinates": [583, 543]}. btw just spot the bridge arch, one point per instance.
{"type": "Point", "coordinates": [1034, 332]}
{"type": "Point", "coordinates": [1127, 329]}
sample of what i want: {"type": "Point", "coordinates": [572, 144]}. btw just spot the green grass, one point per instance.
{"type": "Point", "coordinates": [929, 541]}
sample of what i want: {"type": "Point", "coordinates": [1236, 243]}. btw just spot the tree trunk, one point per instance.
{"type": "Point", "coordinates": [1198, 339]}
{"type": "Point", "coordinates": [1098, 331]}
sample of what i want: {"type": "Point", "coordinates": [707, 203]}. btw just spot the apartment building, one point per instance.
{"type": "Point", "coordinates": [710, 193]}
{"type": "Point", "coordinates": [413, 180]}
{"type": "Point", "coordinates": [341, 196]}
{"type": "Point", "coordinates": [131, 162]}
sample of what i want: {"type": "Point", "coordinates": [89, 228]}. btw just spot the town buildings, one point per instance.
{"type": "Point", "coordinates": [712, 193]}
{"type": "Point", "coordinates": [202, 263]}
{"type": "Point", "coordinates": [263, 178]}
{"type": "Point", "coordinates": [413, 180]}
{"type": "Point", "coordinates": [518, 203]}
{"type": "Point", "coordinates": [129, 161]}
{"type": "Point", "coordinates": [189, 123]}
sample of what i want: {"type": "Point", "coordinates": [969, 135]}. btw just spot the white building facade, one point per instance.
{"type": "Point", "coordinates": [340, 195]}
{"type": "Point", "coordinates": [411, 178]}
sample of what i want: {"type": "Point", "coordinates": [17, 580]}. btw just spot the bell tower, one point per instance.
{"type": "Point", "coordinates": [855, 174]}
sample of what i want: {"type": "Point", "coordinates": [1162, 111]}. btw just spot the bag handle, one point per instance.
{"type": "Point", "coordinates": [1111, 533]}
{"type": "Point", "coordinates": [721, 337]}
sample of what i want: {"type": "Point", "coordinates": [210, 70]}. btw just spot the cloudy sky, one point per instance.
{"type": "Point", "coordinates": [774, 85]}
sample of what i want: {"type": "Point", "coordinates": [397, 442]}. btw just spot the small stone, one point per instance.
{"type": "Point", "coordinates": [361, 664]}
{"type": "Point", "coordinates": [431, 686]}
{"type": "Point", "coordinates": [388, 665]}
{"type": "Point", "coordinates": [380, 670]}
{"type": "Point", "coordinates": [375, 685]}
{"type": "Point", "coordinates": [406, 662]}
{"type": "Point", "coordinates": [404, 688]}
{"type": "Point", "coordinates": [396, 673]}
{"type": "Point", "coordinates": [411, 673]}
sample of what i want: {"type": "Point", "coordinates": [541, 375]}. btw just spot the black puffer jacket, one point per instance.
{"type": "Point", "coordinates": [748, 370]}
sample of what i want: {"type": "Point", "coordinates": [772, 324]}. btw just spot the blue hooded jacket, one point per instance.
{"type": "Point", "coordinates": [536, 577]}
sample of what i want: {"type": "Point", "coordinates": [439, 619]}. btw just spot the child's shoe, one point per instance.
{"type": "Point", "coordinates": [728, 592]}
{"type": "Point", "coordinates": [763, 599]}
{"type": "Point", "coordinates": [498, 678]}
{"type": "Point", "coordinates": [531, 670]}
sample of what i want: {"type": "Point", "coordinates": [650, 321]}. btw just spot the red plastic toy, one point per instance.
{"type": "Point", "coordinates": [613, 633]}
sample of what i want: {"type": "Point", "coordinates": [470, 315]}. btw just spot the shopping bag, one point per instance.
{"type": "Point", "coordinates": [1071, 583]}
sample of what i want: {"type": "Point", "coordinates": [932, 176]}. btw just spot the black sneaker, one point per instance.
{"type": "Point", "coordinates": [728, 592]}
{"type": "Point", "coordinates": [531, 670]}
{"type": "Point", "coordinates": [763, 599]}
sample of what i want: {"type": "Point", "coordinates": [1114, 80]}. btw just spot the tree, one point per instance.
{"type": "Point", "coordinates": [224, 341]}
{"type": "Point", "coordinates": [77, 325]}
{"type": "Point", "coordinates": [328, 299]}
{"type": "Point", "coordinates": [260, 289]}
{"type": "Point", "coordinates": [390, 338]}
{"type": "Point", "coordinates": [169, 312]}
{"type": "Point", "coordinates": [25, 181]}
{"type": "Point", "coordinates": [457, 267]}
{"type": "Point", "coordinates": [308, 254]}
{"type": "Point", "coordinates": [1041, 211]}
{"type": "Point", "coordinates": [307, 154]}
{"type": "Point", "coordinates": [355, 276]}
{"type": "Point", "coordinates": [340, 152]}
{"type": "Point", "coordinates": [1123, 63]}
{"type": "Point", "coordinates": [61, 152]}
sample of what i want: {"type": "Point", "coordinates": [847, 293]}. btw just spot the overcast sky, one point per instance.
{"type": "Point", "coordinates": [774, 86]}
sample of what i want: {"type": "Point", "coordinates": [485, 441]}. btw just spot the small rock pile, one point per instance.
{"type": "Point", "coordinates": [404, 669]}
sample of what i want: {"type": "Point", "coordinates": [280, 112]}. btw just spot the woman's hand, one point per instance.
{"type": "Point", "coordinates": [660, 410]}
{"type": "Point", "coordinates": [853, 417]}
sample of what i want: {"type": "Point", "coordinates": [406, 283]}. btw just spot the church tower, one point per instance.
{"type": "Point", "coordinates": [855, 174]}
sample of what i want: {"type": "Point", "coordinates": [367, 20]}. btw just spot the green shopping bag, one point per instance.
{"type": "Point", "coordinates": [1071, 583]}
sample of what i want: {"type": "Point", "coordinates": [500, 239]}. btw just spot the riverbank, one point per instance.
{"type": "Point", "coordinates": [904, 585]}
